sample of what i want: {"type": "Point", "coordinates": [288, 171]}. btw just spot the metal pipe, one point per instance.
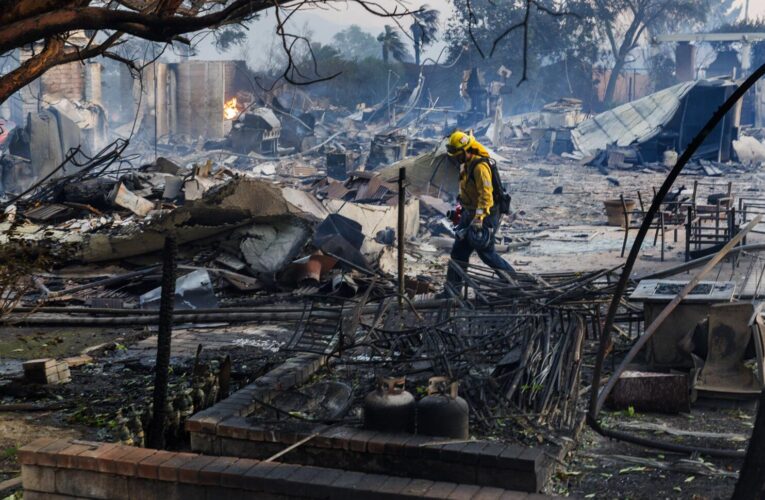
{"type": "Point", "coordinates": [103, 282]}
{"type": "Point", "coordinates": [401, 223]}
{"type": "Point", "coordinates": [422, 304]}
{"type": "Point", "coordinates": [143, 317]}
{"type": "Point", "coordinates": [153, 319]}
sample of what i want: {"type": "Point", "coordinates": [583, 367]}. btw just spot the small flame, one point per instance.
{"type": "Point", "coordinates": [230, 110]}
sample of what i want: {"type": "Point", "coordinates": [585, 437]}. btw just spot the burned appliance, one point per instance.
{"type": "Point", "coordinates": [256, 131]}
{"type": "Point", "coordinates": [662, 348]}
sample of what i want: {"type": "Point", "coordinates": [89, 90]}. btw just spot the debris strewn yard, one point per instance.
{"type": "Point", "coordinates": [218, 280]}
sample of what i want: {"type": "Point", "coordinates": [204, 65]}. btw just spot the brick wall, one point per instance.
{"type": "Point", "coordinates": [66, 469]}
{"type": "Point", "coordinates": [67, 80]}
{"type": "Point", "coordinates": [223, 429]}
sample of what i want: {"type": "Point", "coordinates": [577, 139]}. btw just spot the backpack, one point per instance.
{"type": "Point", "coordinates": [501, 196]}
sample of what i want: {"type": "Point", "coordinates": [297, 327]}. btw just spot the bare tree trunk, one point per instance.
{"type": "Point", "coordinates": [613, 78]}
{"type": "Point", "coordinates": [751, 480]}
{"type": "Point", "coordinates": [156, 438]}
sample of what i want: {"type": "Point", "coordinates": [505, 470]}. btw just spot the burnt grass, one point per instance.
{"type": "Point", "coordinates": [600, 467]}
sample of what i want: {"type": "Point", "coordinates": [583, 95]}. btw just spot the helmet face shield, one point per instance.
{"type": "Point", "coordinates": [457, 143]}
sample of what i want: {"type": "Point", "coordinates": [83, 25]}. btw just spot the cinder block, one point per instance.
{"type": "Point", "coordinates": [527, 481]}
{"type": "Point", "coordinates": [205, 443]}
{"type": "Point", "coordinates": [191, 491]}
{"type": "Point", "coordinates": [417, 487]}
{"type": "Point", "coordinates": [464, 492]}
{"type": "Point", "coordinates": [127, 464]}
{"type": "Point", "coordinates": [106, 462]}
{"type": "Point", "coordinates": [211, 473]}
{"type": "Point", "coordinates": [394, 485]}
{"type": "Point", "coordinates": [87, 484]}
{"type": "Point", "coordinates": [376, 444]}
{"type": "Point", "coordinates": [490, 454]}
{"type": "Point", "coordinates": [148, 468]}
{"type": "Point", "coordinates": [359, 440]}
{"type": "Point", "coordinates": [38, 478]}
{"type": "Point", "coordinates": [89, 459]}
{"type": "Point", "coordinates": [488, 493]}
{"type": "Point", "coordinates": [188, 472]}
{"type": "Point", "coordinates": [146, 489]}
{"type": "Point", "coordinates": [234, 475]}
{"type": "Point", "coordinates": [234, 427]}
{"type": "Point", "coordinates": [67, 458]}
{"type": "Point", "coordinates": [440, 490]}
{"type": "Point", "coordinates": [255, 479]}
{"type": "Point", "coordinates": [27, 454]}
{"type": "Point", "coordinates": [348, 481]}
{"type": "Point", "coordinates": [47, 456]}
{"type": "Point", "coordinates": [168, 470]}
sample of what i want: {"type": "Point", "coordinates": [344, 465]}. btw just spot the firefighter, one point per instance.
{"type": "Point", "coordinates": [481, 214]}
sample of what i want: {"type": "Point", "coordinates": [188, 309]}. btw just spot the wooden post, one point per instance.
{"type": "Point", "coordinates": [401, 222]}
{"type": "Point", "coordinates": [156, 438]}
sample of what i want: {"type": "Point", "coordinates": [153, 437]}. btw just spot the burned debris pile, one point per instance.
{"type": "Point", "coordinates": [310, 304]}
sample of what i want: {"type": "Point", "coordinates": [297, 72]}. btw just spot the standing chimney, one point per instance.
{"type": "Point", "coordinates": [685, 62]}
{"type": "Point", "coordinates": [93, 83]}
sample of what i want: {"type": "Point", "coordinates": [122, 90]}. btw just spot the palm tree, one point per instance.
{"type": "Point", "coordinates": [392, 46]}
{"type": "Point", "coordinates": [424, 29]}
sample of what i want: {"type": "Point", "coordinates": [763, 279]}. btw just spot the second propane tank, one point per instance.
{"type": "Point", "coordinates": [442, 412]}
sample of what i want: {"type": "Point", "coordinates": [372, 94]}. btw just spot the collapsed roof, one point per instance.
{"type": "Point", "coordinates": [672, 116]}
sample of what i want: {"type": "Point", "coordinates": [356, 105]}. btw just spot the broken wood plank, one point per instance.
{"type": "Point", "coordinates": [123, 197]}
{"type": "Point", "coordinates": [291, 447]}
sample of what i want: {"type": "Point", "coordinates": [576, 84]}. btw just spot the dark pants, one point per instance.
{"type": "Point", "coordinates": [462, 249]}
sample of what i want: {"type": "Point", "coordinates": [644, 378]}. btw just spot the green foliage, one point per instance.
{"type": "Point", "coordinates": [758, 48]}
{"type": "Point", "coordinates": [356, 81]}
{"type": "Point", "coordinates": [661, 68]}
{"type": "Point", "coordinates": [424, 29]}
{"type": "Point", "coordinates": [355, 44]}
{"type": "Point", "coordinates": [625, 24]}
{"type": "Point", "coordinates": [561, 49]}
{"type": "Point", "coordinates": [392, 45]}
{"type": "Point", "coordinates": [227, 38]}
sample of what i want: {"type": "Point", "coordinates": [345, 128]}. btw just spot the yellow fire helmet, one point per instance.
{"type": "Point", "coordinates": [458, 141]}
{"type": "Point", "coordinates": [462, 141]}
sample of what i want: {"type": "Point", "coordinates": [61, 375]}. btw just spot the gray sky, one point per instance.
{"type": "Point", "coordinates": [325, 22]}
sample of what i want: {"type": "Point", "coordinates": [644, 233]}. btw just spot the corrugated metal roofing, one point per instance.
{"type": "Point", "coordinates": [634, 122]}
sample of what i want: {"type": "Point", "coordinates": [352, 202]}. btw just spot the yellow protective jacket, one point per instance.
{"type": "Point", "coordinates": [477, 193]}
